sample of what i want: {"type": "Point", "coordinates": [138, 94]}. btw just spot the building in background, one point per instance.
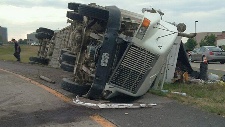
{"type": "Point", "coordinates": [3, 34]}
{"type": "Point", "coordinates": [220, 39]}
{"type": "Point", "coordinates": [202, 35]}
{"type": "Point", "coordinates": [31, 38]}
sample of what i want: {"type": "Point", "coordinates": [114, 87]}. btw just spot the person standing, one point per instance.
{"type": "Point", "coordinates": [17, 49]}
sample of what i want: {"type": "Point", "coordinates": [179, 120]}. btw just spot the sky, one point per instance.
{"type": "Point", "coordinates": [22, 17]}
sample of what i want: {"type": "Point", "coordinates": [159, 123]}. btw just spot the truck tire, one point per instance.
{"type": "Point", "coordinates": [73, 87]}
{"type": "Point", "coordinates": [222, 62]}
{"type": "Point", "coordinates": [69, 58]}
{"type": "Point", "coordinates": [64, 50]}
{"type": "Point", "coordinates": [44, 61]}
{"type": "Point", "coordinates": [42, 35]}
{"type": "Point", "coordinates": [67, 67]}
{"type": "Point", "coordinates": [93, 12]}
{"type": "Point", "coordinates": [34, 59]}
{"type": "Point", "coordinates": [73, 6]}
{"type": "Point", "coordinates": [45, 30]}
{"type": "Point", "coordinates": [74, 16]}
{"type": "Point", "coordinates": [39, 60]}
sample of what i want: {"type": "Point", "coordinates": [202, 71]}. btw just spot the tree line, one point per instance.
{"type": "Point", "coordinates": [208, 40]}
{"type": "Point", "coordinates": [20, 41]}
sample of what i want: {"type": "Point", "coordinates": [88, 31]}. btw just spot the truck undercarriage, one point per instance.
{"type": "Point", "coordinates": [113, 51]}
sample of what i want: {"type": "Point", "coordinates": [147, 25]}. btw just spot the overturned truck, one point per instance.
{"type": "Point", "coordinates": [113, 51]}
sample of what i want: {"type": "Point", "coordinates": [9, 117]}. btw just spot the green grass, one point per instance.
{"type": "Point", "coordinates": [7, 50]}
{"type": "Point", "coordinates": [209, 97]}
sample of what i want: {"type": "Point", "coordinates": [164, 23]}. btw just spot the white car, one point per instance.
{"type": "Point", "coordinates": [35, 44]}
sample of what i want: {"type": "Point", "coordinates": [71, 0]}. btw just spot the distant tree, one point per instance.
{"type": "Point", "coordinates": [190, 44]}
{"type": "Point", "coordinates": [21, 41]}
{"type": "Point", "coordinates": [25, 41]}
{"type": "Point", "coordinates": [209, 40]}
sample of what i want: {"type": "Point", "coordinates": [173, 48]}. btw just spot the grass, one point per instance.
{"type": "Point", "coordinates": [209, 97]}
{"type": "Point", "coordinates": [7, 50]}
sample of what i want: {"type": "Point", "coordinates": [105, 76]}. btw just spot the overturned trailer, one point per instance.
{"type": "Point", "coordinates": [113, 51]}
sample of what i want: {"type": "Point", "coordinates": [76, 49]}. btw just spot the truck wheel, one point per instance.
{"type": "Point", "coordinates": [222, 62]}
{"type": "Point", "coordinates": [45, 30]}
{"type": "Point", "coordinates": [93, 12]}
{"type": "Point", "coordinates": [73, 87]}
{"type": "Point", "coordinates": [67, 67]}
{"type": "Point", "coordinates": [74, 16]}
{"type": "Point", "coordinates": [69, 58]}
{"type": "Point", "coordinates": [39, 60]}
{"type": "Point", "coordinates": [44, 61]}
{"type": "Point", "coordinates": [34, 59]}
{"type": "Point", "coordinates": [42, 35]}
{"type": "Point", "coordinates": [73, 6]}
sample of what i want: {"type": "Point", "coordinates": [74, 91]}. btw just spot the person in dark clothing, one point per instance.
{"type": "Point", "coordinates": [17, 49]}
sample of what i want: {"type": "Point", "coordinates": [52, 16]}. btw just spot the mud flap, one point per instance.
{"type": "Point", "coordinates": [107, 54]}
{"type": "Point", "coordinates": [183, 58]}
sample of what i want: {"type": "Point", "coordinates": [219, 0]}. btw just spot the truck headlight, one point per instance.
{"type": "Point", "coordinates": [142, 30]}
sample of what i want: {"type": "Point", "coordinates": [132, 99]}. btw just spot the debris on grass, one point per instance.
{"type": "Point", "coordinates": [179, 93]}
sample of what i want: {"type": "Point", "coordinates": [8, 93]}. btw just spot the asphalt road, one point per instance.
{"type": "Point", "coordinates": [24, 104]}
{"type": "Point", "coordinates": [215, 68]}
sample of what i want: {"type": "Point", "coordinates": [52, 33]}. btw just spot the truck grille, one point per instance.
{"type": "Point", "coordinates": [130, 73]}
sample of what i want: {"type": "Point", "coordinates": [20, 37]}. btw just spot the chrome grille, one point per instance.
{"type": "Point", "coordinates": [131, 71]}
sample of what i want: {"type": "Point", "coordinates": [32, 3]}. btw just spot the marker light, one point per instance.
{"type": "Point", "coordinates": [146, 22]}
{"type": "Point", "coordinates": [142, 30]}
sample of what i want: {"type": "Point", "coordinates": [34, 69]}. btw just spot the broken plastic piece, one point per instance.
{"type": "Point", "coordinates": [46, 79]}
{"type": "Point", "coordinates": [183, 94]}
{"type": "Point", "coordinates": [112, 105]}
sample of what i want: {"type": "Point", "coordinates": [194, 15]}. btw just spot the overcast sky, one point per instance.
{"type": "Point", "coordinates": [22, 17]}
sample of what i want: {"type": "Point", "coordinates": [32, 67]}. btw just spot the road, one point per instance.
{"type": "Point", "coordinates": [25, 103]}
{"type": "Point", "coordinates": [215, 68]}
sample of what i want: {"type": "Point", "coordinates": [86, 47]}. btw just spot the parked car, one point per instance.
{"type": "Point", "coordinates": [212, 54]}
{"type": "Point", "coordinates": [35, 44]}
